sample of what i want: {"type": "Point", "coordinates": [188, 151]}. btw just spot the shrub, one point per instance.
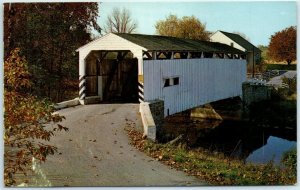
{"type": "Point", "coordinates": [26, 120]}
{"type": "Point", "coordinates": [281, 67]}
{"type": "Point", "coordinates": [292, 83]}
{"type": "Point", "coordinates": [289, 160]}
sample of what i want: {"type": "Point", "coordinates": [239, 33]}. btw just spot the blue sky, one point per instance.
{"type": "Point", "coordinates": [257, 20]}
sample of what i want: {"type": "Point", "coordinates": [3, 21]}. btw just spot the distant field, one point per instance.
{"type": "Point", "coordinates": [281, 67]}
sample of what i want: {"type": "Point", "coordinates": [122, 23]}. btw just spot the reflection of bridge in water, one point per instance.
{"type": "Point", "coordinates": [236, 138]}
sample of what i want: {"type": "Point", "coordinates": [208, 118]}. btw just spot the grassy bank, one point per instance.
{"type": "Point", "coordinates": [216, 169]}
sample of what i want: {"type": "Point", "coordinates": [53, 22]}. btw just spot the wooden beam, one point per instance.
{"type": "Point", "coordinates": [172, 55]}
{"type": "Point", "coordinates": [102, 56]}
{"type": "Point", "coordinates": [154, 57]}
{"type": "Point", "coordinates": [230, 56]}
{"type": "Point", "coordinates": [159, 53]}
{"type": "Point", "coordinates": [148, 55]}
{"type": "Point", "coordinates": [121, 55]}
{"type": "Point", "coordinates": [167, 54]}
{"type": "Point", "coordinates": [220, 55]}
{"type": "Point", "coordinates": [183, 55]}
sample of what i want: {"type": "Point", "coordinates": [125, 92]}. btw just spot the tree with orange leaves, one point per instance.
{"type": "Point", "coordinates": [282, 46]}
{"type": "Point", "coordinates": [28, 122]}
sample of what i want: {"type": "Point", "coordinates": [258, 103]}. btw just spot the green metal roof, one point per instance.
{"type": "Point", "coordinates": [166, 43]}
{"type": "Point", "coordinates": [241, 41]}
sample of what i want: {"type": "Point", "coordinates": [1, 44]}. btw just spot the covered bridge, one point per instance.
{"type": "Point", "coordinates": [183, 73]}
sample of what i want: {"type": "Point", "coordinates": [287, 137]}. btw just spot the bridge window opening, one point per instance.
{"type": "Point", "coordinates": [167, 83]}
{"type": "Point", "coordinates": [176, 80]}
{"type": "Point", "coordinates": [171, 81]}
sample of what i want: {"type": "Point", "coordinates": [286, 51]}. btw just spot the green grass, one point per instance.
{"type": "Point", "coordinates": [281, 67]}
{"type": "Point", "coordinates": [219, 170]}
{"type": "Point", "coordinates": [215, 168]}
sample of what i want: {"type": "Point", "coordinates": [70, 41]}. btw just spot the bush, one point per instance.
{"type": "Point", "coordinates": [292, 83]}
{"type": "Point", "coordinates": [180, 156]}
{"type": "Point", "coordinates": [289, 160]}
{"type": "Point", "coordinates": [281, 67]}
{"type": "Point", "coordinates": [25, 121]}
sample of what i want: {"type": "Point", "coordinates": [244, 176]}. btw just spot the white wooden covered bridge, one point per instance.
{"type": "Point", "coordinates": [183, 73]}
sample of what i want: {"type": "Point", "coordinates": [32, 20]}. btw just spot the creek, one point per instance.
{"type": "Point", "coordinates": [260, 135]}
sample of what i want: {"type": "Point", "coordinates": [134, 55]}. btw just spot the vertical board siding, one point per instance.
{"type": "Point", "coordinates": [200, 81]}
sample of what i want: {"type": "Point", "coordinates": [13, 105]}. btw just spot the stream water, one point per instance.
{"type": "Point", "coordinates": [253, 138]}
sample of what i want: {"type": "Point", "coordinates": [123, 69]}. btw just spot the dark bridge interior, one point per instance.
{"type": "Point", "coordinates": [113, 76]}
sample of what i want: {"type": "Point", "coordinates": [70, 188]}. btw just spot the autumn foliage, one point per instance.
{"type": "Point", "coordinates": [188, 27]}
{"type": "Point", "coordinates": [49, 34]}
{"type": "Point", "coordinates": [282, 46]}
{"type": "Point", "coordinates": [28, 122]}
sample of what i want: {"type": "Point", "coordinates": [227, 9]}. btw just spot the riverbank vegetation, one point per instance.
{"type": "Point", "coordinates": [215, 168]}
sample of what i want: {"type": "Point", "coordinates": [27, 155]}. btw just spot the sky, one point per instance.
{"type": "Point", "coordinates": [257, 20]}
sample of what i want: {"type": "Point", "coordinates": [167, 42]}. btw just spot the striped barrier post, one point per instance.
{"type": "Point", "coordinates": [82, 84]}
{"type": "Point", "coordinates": [141, 92]}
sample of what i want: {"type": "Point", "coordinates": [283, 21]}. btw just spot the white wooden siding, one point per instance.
{"type": "Point", "coordinates": [222, 38]}
{"type": "Point", "coordinates": [110, 42]}
{"type": "Point", "coordinates": [200, 81]}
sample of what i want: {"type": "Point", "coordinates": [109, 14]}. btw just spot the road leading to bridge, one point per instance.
{"type": "Point", "coordinates": [96, 152]}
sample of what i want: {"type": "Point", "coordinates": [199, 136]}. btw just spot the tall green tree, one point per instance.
{"type": "Point", "coordinates": [188, 27]}
{"type": "Point", "coordinates": [264, 52]}
{"type": "Point", "coordinates": [49, 34]}
{"type": "Point", "coordinates": [283, 45]}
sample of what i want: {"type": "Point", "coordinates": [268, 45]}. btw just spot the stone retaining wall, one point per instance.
{"type": "Point", "coordinates": [157, 111]}
{"type": "Point", "coordinates": [253, 92]}
{"type": "Point", "coordinates": [152, 114]}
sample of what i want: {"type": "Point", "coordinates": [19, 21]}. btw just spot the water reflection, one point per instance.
{"type": "Point", "coordinates": [234, 137]}
{"type": "Point", "coordinates": [273, 150]}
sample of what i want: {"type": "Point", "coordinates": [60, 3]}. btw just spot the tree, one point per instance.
{"type": "Point", "coordinates": [242, 35]}
{"type": "Point", "coordinates": [25, 120]}
{"type": "Point", "coordinates": [49, 34]}
{"type": "Point", "coordinates": [188, 27]}
{"type": "Point", "coordinates": [264, 52]}
{"type": "Point", "coordinates": [282, 46]}
{"type": "Point", "coordinates": [120, 21]}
